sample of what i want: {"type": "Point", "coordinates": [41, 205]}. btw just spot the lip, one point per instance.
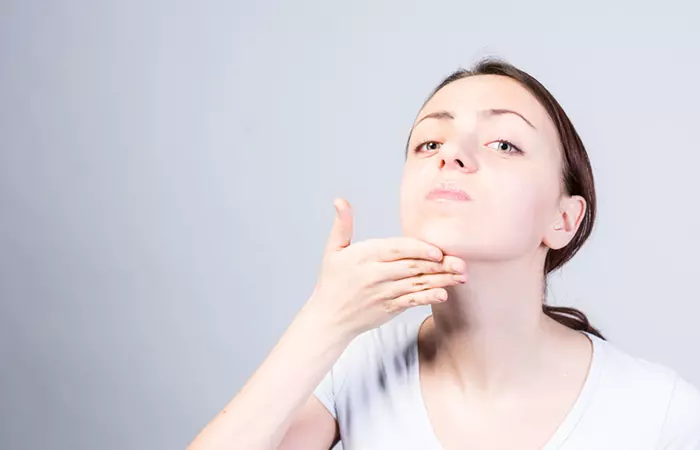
{"type": "Point", "coordinates": [446, 191]}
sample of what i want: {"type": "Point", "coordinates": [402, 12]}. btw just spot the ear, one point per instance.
{"type": "Point", "coordinates": [566, 222]}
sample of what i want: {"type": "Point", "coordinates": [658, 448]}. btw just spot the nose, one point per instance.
{"type": "Point", "coordinates": [454, 157]}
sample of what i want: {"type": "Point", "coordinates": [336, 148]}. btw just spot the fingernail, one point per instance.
{"type": "Point", "coordinates": [461, 278]}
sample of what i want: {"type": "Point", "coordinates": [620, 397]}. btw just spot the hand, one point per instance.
{"type": "Point", "coordinates": [363, 285]}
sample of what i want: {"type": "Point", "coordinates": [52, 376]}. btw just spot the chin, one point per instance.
{"type": "Point", "coordinates": [451, 236]}
{"type": "Point", "coordinates": [467, 239]}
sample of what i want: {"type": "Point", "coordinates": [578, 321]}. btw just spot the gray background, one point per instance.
{"type": "Point", "coordinates": [167, 170]}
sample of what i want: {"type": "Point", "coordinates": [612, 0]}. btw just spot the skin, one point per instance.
{"type": "Point", "coordinates": [489, 358]}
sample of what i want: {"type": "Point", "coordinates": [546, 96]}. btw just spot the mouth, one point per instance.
{"type": "Point", "coordinates": [446, 192]}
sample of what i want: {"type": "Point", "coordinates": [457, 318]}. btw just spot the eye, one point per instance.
{"type": "Point", "coordinates": [429, 146]}
{"type": "Point", "coordinates": [504, 146]}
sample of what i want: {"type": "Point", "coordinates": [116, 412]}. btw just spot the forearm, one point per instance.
{"type": "Point", "coordinates": [260, 414]}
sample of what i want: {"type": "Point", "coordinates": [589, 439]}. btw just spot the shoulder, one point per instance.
{"type": "Point", "coordinates": [626, 368]}
{"type": "Point", "coordinates": [682, 425]}
{"type": "Point", "coordinates": [655, 391]}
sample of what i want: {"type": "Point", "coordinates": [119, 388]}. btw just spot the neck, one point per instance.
{"type": "Point", "coordinates": [491, 332]}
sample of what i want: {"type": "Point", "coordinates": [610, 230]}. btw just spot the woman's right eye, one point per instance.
{"type": "Point", "coordinates": [429, 146]}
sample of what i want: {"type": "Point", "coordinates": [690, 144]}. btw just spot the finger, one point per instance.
{"type": "Point", "coordinates": [398, 288]}
{"type": "Point", "coordinates": [392, 249]}
{"type": "Point", "coordinates": [406, 268]}
{"type": "Point", "coordinates": [341, 232]}
{"type": "Point", "coordinates": [427, 297]}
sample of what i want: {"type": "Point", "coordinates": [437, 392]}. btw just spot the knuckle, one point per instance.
{"type": "Point", "coordinates": [389, 306]}
{"type": "Point", "coordinates": [419, 283]}
{"type": "Point", "coordinates": [371, 282]}
{"type": "Point", "coordinates": [427, 280]}
{"type": "Point", "coordinates": [446, 279]}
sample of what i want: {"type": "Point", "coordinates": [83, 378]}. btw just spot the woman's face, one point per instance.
{"type": "Point", "coordinates": [514, 190]}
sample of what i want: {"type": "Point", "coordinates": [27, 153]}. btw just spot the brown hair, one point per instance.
{"type": "Point", "coordinates": [577, 176]}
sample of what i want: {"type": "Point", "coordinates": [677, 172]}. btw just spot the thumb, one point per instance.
{"type": "Point", "coordinates": [341, 232]}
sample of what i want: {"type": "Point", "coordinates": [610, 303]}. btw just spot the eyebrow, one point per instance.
{"type": "Point", "coordinates": [484, 113]}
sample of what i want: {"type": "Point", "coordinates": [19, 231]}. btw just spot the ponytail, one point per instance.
{"type": "Point", "coordinates": [572, 318]}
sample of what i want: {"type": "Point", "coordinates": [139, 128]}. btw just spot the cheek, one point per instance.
{"type": "Point", "coordinates": [518, 206]}
{"type": "Point", "coordinates": [411, 201]}
{"type": "Point", "coordinates": [506, 217]}
{"type": "Point", "coordinates": [514, 199]}
{"type": "Point", "coordinates": [408, 204]}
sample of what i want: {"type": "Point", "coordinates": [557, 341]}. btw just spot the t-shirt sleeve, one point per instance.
{"type": "Point", "coordinates": [682, 426]}
{"type": "Point", "coordinates": [325, 393]}
{"type": "Point", "coordinates": [333, 387]}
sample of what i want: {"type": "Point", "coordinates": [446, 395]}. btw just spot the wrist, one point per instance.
{"type": "Point", "coordinates": [321, 323]}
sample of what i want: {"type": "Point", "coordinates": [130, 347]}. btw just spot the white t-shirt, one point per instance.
{"type": "Point", "coordinates": [626, 403]}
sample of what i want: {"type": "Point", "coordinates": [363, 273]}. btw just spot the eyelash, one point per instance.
{"type": "Point", "coordinates": [506, 141]}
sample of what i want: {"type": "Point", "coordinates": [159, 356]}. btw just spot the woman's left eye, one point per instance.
{"type": "Point", "coordinates": [504, 146]}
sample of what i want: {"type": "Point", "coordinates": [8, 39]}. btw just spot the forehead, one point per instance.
{"type": "Point", "coordinates": [466, 96]}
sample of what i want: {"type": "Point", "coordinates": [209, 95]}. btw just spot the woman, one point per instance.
{"type": "Point", "coordinates": [497, 192]}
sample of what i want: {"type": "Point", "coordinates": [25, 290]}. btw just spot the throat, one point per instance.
{"type": "Point", "coordinates": [496, 362]}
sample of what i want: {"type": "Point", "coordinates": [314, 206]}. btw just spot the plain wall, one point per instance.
{"type": "Point", "coordinates": [167, 170]}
